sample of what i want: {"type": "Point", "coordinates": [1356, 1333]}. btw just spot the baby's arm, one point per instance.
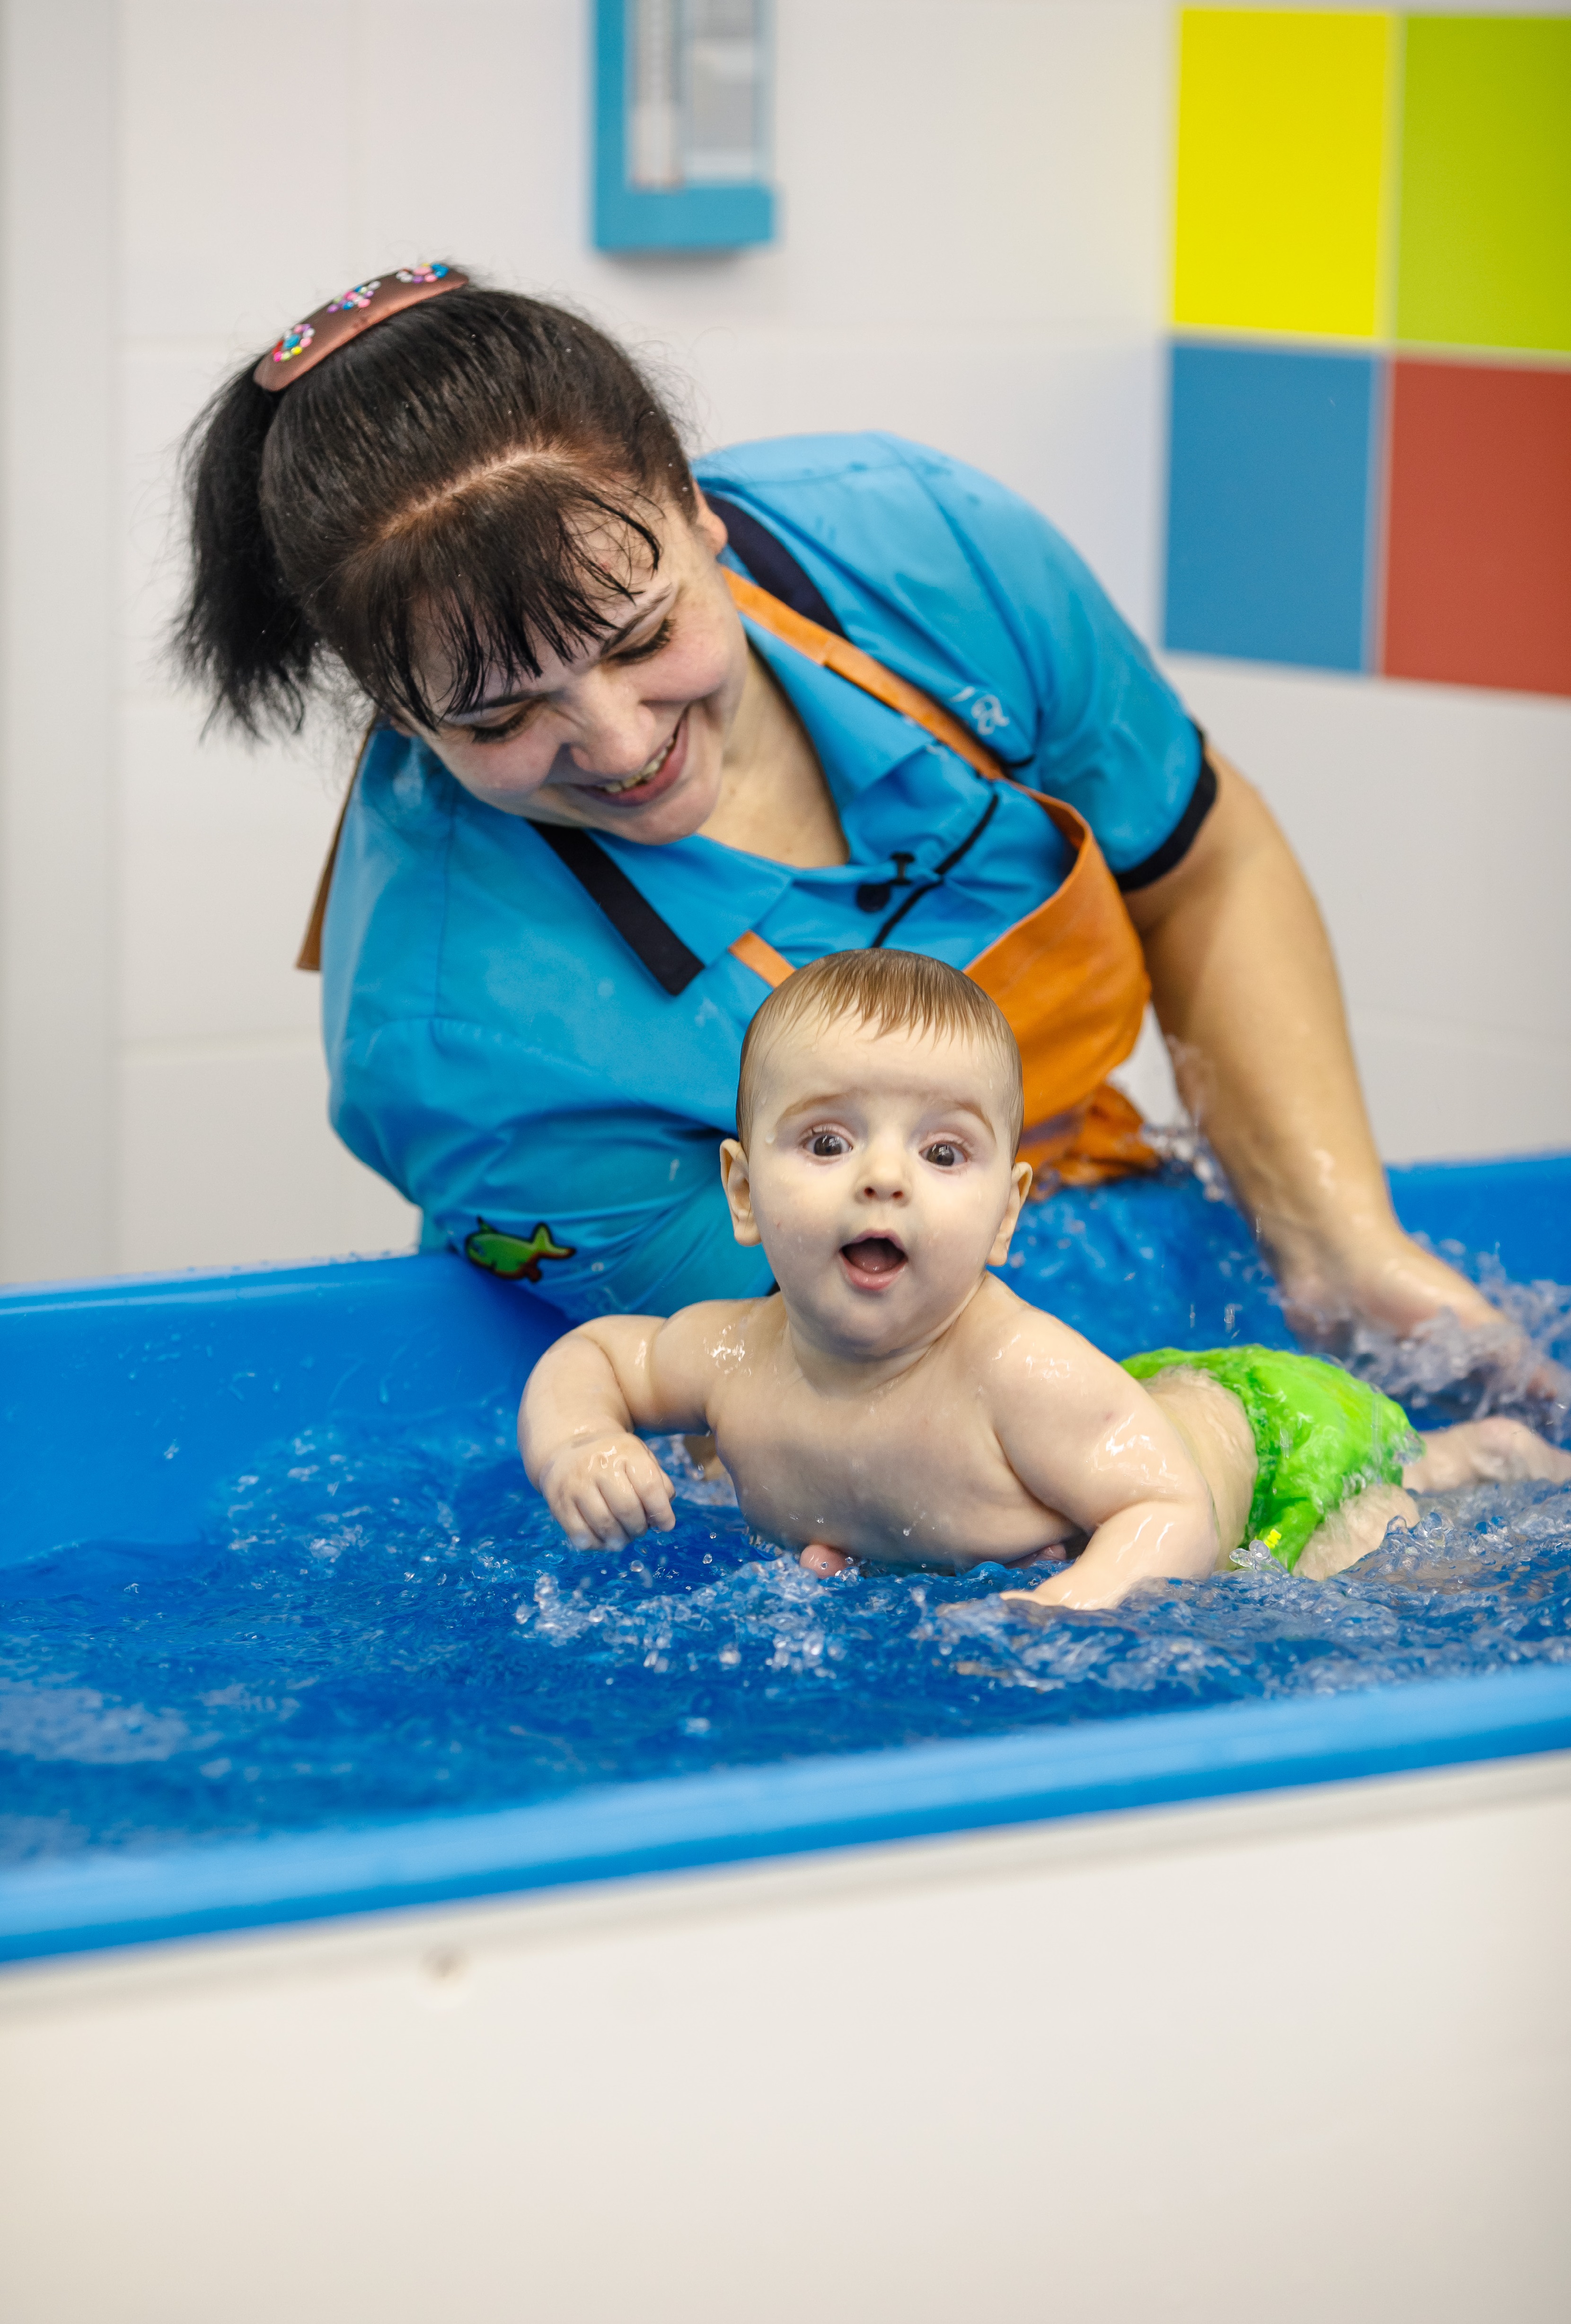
{"type": "Point", "coordinates": [1087, 1440]}
{"type": "Point", "coordinates": [585, 1396]}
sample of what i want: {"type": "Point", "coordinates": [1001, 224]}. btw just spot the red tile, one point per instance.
{"type": "Point", "coordinates": [1478, 526]}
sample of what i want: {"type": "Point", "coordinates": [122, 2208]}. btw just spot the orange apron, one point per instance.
{"type": "Point", "coordinates": [1070, 977]}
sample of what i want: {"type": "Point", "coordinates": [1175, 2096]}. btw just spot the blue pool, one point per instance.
{"type": "Point", "coordinates": [285, 1630]}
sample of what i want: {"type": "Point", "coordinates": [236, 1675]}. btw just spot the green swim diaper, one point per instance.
{"type": "Point", "coordinates": [1320, 1435]}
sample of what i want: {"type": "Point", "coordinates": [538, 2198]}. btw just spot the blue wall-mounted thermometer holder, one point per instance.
{"type": "Point", "coordinates": [682, 114]}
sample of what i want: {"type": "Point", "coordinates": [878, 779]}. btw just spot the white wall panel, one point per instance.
{"type": "Point", "coordinates": [1435, 823]}
{"type": "Point", "coordinates": [944, 163]}
{"type": "Point", "coordinates": [227, 1160]}
{"type": "Point", "coordinates": [57, 448]}
{"type": "Point", "coordinates": [240, 130]}
{"type": "Point", "coordinates": [160, 388]}
{"type": "Point", "coordinates": [222, 850]}
{"type": "Point", "coordinates": [1073, 423]}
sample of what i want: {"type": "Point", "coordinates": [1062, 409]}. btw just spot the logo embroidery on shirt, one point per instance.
{"type": "Point", "coordinates": [985, 711]}
{"type": "Point", "coordinates": [510, 1255]}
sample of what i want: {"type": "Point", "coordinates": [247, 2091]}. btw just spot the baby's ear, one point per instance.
{"type": "Point", "coordinates": [1021, 1179]}
{"type": "Point", "coordinates": [738, 1188]}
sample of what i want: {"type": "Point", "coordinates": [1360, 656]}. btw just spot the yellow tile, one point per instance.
{"type": "Point", "coordinates": [1282, 136]}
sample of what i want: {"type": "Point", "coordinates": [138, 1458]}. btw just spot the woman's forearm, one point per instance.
{"type": "Point", "coordinates": [1245, 987]}
{"type": "Point", "coordinates": [1246, 990]}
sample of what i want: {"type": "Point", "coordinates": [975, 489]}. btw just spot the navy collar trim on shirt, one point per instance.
{"type": "Point", "coordinates": [672, 964]}
{"type": "Point", "coordinates": [768, 561]}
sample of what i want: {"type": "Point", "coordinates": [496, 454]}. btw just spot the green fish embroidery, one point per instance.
{"type": "Point", "coordinates": [510, 1256]}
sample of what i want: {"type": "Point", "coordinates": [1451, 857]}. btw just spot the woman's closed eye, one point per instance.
{"type": "Point", "coordinates": [647, 648]}
{"type": "Point", "coordinates": [644, 650]}
{"type": "Point", "coordinates": [504, 729]}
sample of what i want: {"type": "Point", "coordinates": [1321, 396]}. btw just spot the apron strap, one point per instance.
{"type": "Point", "coordinates": [310, 955]}
{"type": "Point", "coordinates": [763, 958]}
{"type": "Point", "coordinates": [849, 661]}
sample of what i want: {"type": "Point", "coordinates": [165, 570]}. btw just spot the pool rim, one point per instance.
{"type": "Point", "coordinates": [708, 1821]}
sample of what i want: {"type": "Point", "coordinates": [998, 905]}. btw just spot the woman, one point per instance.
{"type": "Point", "coordinates": [647, 737]}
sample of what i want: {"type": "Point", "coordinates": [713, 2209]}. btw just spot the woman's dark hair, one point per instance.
{"type": "Point", "coordinates": [476, 474]}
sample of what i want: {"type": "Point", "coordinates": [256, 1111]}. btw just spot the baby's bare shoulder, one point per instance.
{"type": "Point", "coordinates": [722, 1336]}
{"type": "Point", "coordinates": [1000, 1327]}
{"type": "Point", "coordinates": [1014, 1350]}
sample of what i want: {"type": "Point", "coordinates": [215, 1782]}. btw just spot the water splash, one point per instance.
{"type": "Point", "coordinates": [375, 1628]}
{"type": "Point", "coordinates": [382, 1625]}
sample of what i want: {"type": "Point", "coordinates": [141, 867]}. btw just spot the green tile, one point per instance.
{"type": "Point", "coordinates": [1485, 251]}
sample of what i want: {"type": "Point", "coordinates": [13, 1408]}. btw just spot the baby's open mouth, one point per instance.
{"type": "Point", "coordinates": [872, 1259]}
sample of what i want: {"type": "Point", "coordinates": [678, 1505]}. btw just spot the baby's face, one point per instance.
{"type": "Point", "coordinates": [879, 1178]}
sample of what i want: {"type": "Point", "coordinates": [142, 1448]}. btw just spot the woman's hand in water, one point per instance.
{"type": "Point", "coordinates": [1429, 1327]}
{"type": "Point", "coordinates": [606, 1491]}
{"type": "Point", "coordinates": [1386, 1283]}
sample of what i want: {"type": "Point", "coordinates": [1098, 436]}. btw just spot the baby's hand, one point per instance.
{"type": "Point", "coordinates": [604, 1493]}
{"type": "Point", "coordinates": [1067, 1588]}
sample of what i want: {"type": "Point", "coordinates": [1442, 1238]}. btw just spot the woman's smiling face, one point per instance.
{"type": "Point", "coordinates": [628, 735]}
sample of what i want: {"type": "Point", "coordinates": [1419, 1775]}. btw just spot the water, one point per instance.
{"type": "Point", "coordinates": [373, 1627]}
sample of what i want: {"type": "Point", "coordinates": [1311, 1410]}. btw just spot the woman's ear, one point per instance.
{"type": "Point", "coordinates": [1021, 1179]}
{"type": "Point", "coordinates": [738, 1188]}
{"type": "Point", "coordinates": [708, 527]}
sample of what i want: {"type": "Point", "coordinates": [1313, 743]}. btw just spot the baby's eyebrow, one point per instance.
{"type": "Point", "coordinates": [826, 1103]}
{"type": "Point", "coordinates": [964, 1105]}
{"type": "Point", "coordinates": [831, 1101]}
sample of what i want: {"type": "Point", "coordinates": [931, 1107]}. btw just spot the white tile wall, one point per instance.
{"type": "Point", "coordinates": [972, 252]}
{"type": "Point", "coordinates": [57, 618]}
{"type": "Point", "coordinates": [254, 1172]}
{"type": "Point", "coordinates": [1435, 824]}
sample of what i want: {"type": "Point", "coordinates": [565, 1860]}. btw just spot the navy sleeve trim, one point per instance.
{"type": "Point", "coordinates": [771, 564]}
{"type": "Point", "coordinates": [1182, 837]}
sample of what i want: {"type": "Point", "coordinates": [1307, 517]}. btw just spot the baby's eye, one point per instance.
{"type": "Point", "coordinates": [827, 1144]}
{"type": "Point", "coordinates": [943, 1155]}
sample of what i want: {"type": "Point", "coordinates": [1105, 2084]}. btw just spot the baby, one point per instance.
{"type": "Point", "coordinates": [894, 1400]}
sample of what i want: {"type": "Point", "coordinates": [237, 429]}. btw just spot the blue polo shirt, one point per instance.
{"type": "Point", "coordinates": [500, 1054]}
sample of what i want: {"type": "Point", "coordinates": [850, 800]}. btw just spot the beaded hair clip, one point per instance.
{"type": "Point", "coordinates": [344, 317]}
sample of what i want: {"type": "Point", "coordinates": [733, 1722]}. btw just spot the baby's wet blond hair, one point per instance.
{"type": "Point", "coordinates": [891, 992]}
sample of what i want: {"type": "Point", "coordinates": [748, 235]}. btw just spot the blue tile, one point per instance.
{"type": "Point", "coordinates": [1271, 488]}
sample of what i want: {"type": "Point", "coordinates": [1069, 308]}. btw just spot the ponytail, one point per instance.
{"type": "Point", "coordinates": [241, 634]}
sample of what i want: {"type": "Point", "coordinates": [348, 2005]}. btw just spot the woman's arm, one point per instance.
{"type": "Point", "coordinates": [1247, 989]}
